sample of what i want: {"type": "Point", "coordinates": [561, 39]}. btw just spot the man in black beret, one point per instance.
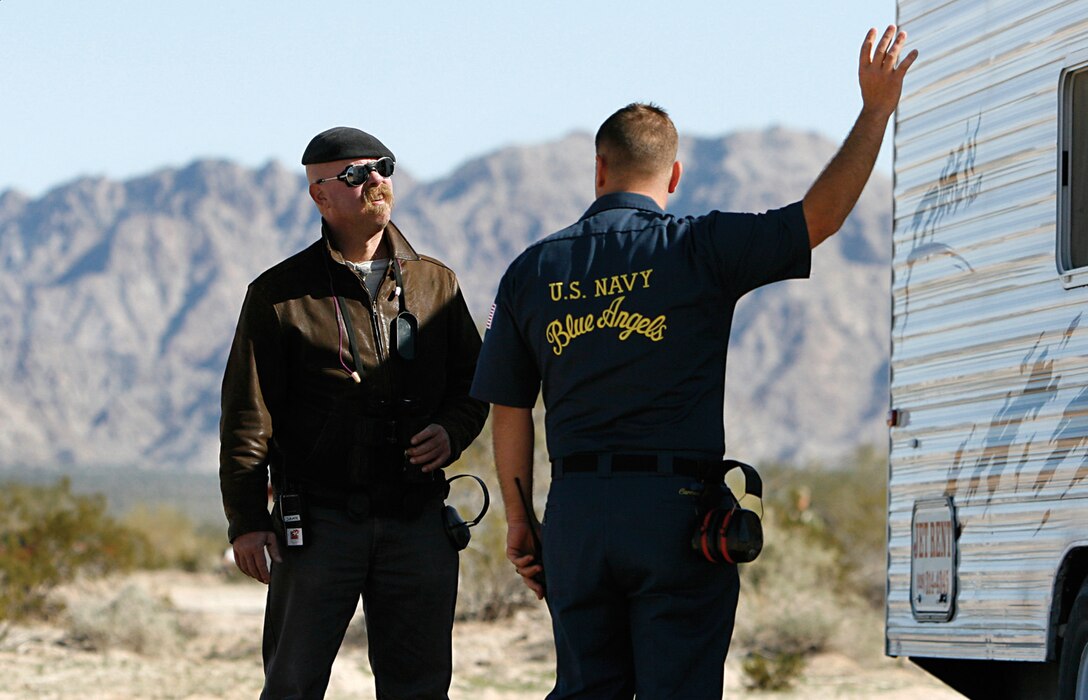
{"type": "Point", "coordinates": [346, 389]}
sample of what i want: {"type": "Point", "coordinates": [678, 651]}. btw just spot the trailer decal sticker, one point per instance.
{"type": "Point", "coordinates": [1018, 408]}
{"type": "Point", "coordinates": [1004, 445]}
{"type": "Point", "coordinates": [958, 186]}
{"type": "Point", "coordinates": [1069, 435]}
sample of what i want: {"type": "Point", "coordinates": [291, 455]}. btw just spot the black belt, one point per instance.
{"type": "Point", "coordinates": [328, 499]}
{"type": "Point", "coordinates": [340, 499]}
{"type": "Point", "coordinates": [350, 499]}
{"type": "Point", "coordinates": [634, 464]}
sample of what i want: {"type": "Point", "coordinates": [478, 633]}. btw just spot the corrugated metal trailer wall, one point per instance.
{"type": "Point", "coordinates": [989, 344]}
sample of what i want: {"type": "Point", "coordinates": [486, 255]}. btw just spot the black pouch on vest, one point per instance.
{"type": "Point", "coordinates": [725, 532]}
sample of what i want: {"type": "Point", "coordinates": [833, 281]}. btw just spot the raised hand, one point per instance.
{"type": "Point", "coordinates": [880, 71]}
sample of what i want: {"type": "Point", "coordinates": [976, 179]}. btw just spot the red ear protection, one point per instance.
{"type": "Point", "coordinates": [731, 535]}
{"type": "Point", "coordinates": [727, 533]}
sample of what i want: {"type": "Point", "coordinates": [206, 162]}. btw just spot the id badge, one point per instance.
{"type": "Point", "coordinates": [291, 512]}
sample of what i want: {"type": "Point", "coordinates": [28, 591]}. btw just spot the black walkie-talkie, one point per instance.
{"type": "Point", "coordinates": [538, 547]}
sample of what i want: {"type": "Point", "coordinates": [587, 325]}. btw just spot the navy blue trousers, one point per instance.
{"type": "Point", "coordinates": [405, 570]}
{"type": "Point", "coordinates": [634, 609]}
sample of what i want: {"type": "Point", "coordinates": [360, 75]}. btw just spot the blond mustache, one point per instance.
{"type": "Point", "coordinates": [383, 190]}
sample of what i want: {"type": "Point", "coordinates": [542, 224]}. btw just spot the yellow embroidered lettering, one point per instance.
{"type": "Point", "coordinates": [557, 337]}
{"type": "Point", "coordinates": [608, 316]}
{"type": "Point", "coordinates": [560, 333]}
{"type": "Point", "coordinates": [656, 330]}
{"type": "Point", "coordinates": [618, 284]}
{"type": "Point", "coordinates": [579, 326]}
{"type": "Point", "coordinates": [629, 326]}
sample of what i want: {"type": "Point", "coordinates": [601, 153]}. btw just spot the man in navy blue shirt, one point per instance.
{"type": "Point", "coordinates": [623, 319]}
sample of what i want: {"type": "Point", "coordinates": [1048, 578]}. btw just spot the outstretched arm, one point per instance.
{"type": "Point", "coordinates": [836, 191]}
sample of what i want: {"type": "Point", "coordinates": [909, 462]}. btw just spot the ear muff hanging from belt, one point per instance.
{"type": "Point", "coordinates": [456, 527]}
{"type": "Point", "coordinates": [725, 532]}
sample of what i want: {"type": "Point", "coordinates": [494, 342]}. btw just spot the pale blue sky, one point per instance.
{"type": "Point", "coordinates": [123, 87]}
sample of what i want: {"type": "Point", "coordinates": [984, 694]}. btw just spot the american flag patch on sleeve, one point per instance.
{"type": "Point", "coordinates": [490, 315]}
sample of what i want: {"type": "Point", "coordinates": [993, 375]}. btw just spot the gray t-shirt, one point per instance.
{"type": "Point", "coordinates": [372, 272]}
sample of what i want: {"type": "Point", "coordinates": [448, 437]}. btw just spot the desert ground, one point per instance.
{"type": "Point", "coordinates": [197, 637]}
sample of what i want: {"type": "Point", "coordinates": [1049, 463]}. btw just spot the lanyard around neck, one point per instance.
{"type": "Point", "coordinates": [404, 328]}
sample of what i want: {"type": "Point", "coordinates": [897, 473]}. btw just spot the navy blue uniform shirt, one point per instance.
{"type": "Point", "coordinates": [625, 317]}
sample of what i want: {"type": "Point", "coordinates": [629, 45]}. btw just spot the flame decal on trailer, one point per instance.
{"type": "Point", "coordinates": [1003, 435]}
{"type": "Point", "coordinates": [1005, 447]}
{"type": "Point", "coordinates": [958, 186]}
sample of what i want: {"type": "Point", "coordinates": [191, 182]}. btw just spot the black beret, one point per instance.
{"type": "Point", "coordinates": [341, 143]}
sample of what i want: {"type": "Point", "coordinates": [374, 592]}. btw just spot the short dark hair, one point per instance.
{"type": "Point", "coordinates": [639, 139]}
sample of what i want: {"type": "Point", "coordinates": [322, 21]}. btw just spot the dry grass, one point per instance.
{"type": "Point", "coordinates": [511, 659]}
{"type": "Point", "coordinates": [806, 622]}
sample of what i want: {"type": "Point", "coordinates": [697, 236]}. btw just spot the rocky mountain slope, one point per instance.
{"type": "Point", "coordinates": [118, 299]}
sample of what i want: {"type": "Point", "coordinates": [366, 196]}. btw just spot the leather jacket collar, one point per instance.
{"type": "Point", "coordinates": [395, 241]}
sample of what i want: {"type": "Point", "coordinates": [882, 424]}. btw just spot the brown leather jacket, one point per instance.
{"type": "Point", "coordinates": [290, 403]}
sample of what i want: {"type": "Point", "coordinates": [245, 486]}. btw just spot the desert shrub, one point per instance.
{"type": "Point", "coordinates": [490, 589]}
{"type": "Point", "coordinates": [822, 565]}
{"type": "Point", "coordinates": [843, 507]}
{"type": "Point", "coordinates": [175, 541]}
{"type": "Point", "coordinates": [789, 606]}
{"type": "Point", "coordinates": [777, 672]}
{"type": "Point", "coordinates": [132, 620]}
{"type": "Point", "coordinates": [48, 536]}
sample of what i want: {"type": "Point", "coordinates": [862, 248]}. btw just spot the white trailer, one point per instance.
{"type": "Point", "coordinates": [988, 469]}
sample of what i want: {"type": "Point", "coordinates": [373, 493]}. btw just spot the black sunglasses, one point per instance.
{"type": "Point", "coordinates": [357, 174]}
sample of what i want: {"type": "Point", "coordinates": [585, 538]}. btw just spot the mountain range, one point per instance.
{"type": "Point", "coordinates": [118, 299]}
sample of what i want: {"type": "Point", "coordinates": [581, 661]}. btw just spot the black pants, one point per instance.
{"type": "Point", "coordinates": [406, 572]}
{"type": "Point", "coordinates": [634, 610]}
